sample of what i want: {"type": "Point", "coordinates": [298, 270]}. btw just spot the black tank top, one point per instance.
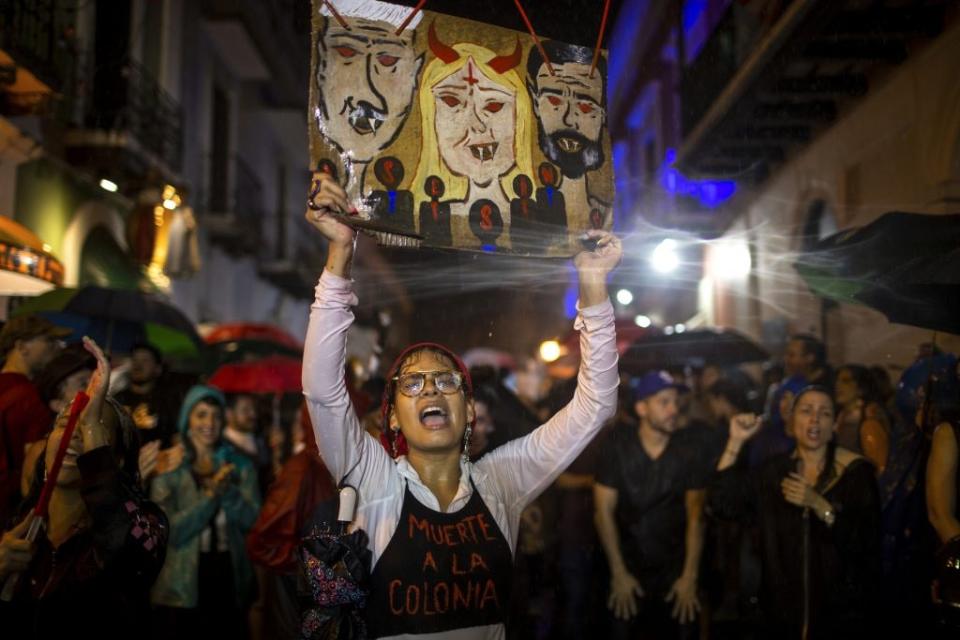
{"type": "Point", "coordinates": [440, 571]}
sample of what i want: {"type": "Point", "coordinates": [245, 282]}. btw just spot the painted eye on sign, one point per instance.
{"type": "Point", "coordinates": [458, 133]}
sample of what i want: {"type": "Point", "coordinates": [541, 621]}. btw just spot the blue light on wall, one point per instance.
{"type": "Point", "coordinates": [709, 193]}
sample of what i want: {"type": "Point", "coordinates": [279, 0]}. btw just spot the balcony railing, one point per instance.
{"type": "Point", "coordinates": [125, 98]}
{"type": "Point", "coordinates": [234, 211]}
{"type": "Point", "coordinates": [37, 34]}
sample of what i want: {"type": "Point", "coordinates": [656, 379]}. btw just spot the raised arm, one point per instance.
{"type": "Point", "coordinates": [942, 482]}
{"type": "Point", "coordinates": [342, 443]}
{"type": "Point", "coordinates": [526, 466]}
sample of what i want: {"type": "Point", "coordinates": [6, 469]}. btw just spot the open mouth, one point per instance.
{"type": "Point", "coordinates": [569, 145]}
{"type": "Point", "coordinates": [365, 118]}
{"type": "Point", "coordinates": [364, 124]}
{"type": "Point", "coordinates": [433, 417]}
{"type": "Point", "coordinates": [484, 150]}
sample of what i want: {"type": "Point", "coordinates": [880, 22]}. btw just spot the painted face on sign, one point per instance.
{"type": "Point", "coordinates": [367, 78]}
{"type": "Point", "coordinates": [570, 115]}
{"type": "Point", "coordinates": [475, 124]}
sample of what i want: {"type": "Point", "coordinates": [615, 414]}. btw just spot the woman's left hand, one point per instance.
{"type": "Point", "coordinates": [796, 490]}
{"type": "Point", "coordinates": [601, 260]}
{"type": "Point", "coordinates": [91, 426]}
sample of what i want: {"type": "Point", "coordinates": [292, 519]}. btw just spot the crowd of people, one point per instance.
{"type": "Point", "coordinates": [819, 503]}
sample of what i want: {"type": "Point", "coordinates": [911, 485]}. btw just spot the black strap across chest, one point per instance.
{"type": "Point", "coordinates": [440, 571]}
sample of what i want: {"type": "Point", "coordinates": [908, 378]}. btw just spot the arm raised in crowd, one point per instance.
{"type": "Point", "coordinates": [534, 461]}
{"type": "Point", "coordinates": [942, 483]}
{"type": "Point", "coordinates": [342, 442]}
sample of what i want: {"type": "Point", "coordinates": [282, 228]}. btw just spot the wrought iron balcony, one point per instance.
{"type": "Point", "coordinates": [234, 209]}
{"type": "Point", "coordinates": [758, 92]}
{"type": "Point", "coordinates": [123, 106]}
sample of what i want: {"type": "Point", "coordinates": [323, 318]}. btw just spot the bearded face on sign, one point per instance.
{"type": "Point", "coordinates": [570, 106]}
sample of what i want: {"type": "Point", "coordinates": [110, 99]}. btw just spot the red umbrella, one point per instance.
{"type": "Point", "coordinates": [255, 331]}
{"type": "Point", "coordinates": [276, 374]}
{"type": "Point", "coordinates": [627, 333]}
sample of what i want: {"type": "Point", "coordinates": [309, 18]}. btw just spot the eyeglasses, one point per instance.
{"type": "Point", "coordinates": [412, 384]}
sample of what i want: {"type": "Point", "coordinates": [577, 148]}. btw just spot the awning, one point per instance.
{"type": "Point", "coordinates": [27, 268]}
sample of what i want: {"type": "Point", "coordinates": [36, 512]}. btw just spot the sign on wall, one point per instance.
{"type": "Point", "coordinates": [458, 133]}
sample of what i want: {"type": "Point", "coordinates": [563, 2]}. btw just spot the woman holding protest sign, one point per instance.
{"type": "Point", "coordinates": [442, 529]}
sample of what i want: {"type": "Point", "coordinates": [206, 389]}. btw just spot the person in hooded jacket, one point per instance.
{"type": "Point", "coordinates": [212, 500]}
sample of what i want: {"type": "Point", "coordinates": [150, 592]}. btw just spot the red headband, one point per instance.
{"type": "Point", "coordinates": [386, 401]}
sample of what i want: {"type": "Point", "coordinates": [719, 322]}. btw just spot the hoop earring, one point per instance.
{"type": "Point", "coordinates": [466, 443]}
{"type": "Point", "coordinates": [393, 442]}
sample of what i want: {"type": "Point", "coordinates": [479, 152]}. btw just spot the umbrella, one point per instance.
{"type": "Point", "coordinates": [118, 318]}
{"type": "Point", "coordinates": [924, 292]}
{"type": "Point", "coordinates": [484, 356]}
{"type": "Point", "coordinates": [276, 374]}
{"type": "Point", "coordinates": [334, 571]}
{"type": "Point", "coordinates": [248, 341]}
{"type": "Point", "coordinates": [253, 332]}
{"type": "Point", "coordinates": [628, 332]}
{"type": "Point", "coordinates": [854, 261]}
{"type": "Point", "coordinates": [722, 347]}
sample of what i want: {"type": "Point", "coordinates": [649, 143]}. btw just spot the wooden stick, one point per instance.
{"type": "Point", "coordinates": [416, 9]}
{"type": "Point", "coordinates": [336, 14]}
{"type": "Point", "coordinates": [603, 27]}
{"type": "Point", "coordinates": [536, 40]}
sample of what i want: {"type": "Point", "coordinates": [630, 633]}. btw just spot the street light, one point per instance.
{"type": "Point", "coordinates": [549, 350]}
{"type": "Point", "coordinates": [664, 258]}
{"type": "Point", "coordinates": [108, 185]}
{"type": "Point", "coordinates": [642, 321]}
{"type": "Point", "coordinates": [624, 297]}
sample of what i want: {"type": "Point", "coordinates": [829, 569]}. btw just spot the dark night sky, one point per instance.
{"type": "Point", "coordinates": [573, 21]}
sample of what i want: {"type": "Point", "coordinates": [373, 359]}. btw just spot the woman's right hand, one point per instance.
{"type": "Point", "coordinates": [15, 552]}
{"type": "Point", "coordinates": [327, 198]}
{"type": "Point", "coordinates": [743, 427]}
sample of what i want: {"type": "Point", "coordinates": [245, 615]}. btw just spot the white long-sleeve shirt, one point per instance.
{"type": "Point", "coordinates": [508, 478]}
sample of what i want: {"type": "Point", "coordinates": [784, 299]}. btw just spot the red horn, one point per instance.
{"type": "Point", "coordinates": [441, 50]}
{"type": "Point", "coordinates": [502, 64]}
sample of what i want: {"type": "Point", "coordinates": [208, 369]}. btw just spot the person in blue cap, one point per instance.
{"type": "Point", "coordinates": [648, 498]}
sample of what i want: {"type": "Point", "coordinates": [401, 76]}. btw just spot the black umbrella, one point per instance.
{"type": "Point", "coordinates": [334, 571]}
{"type": "Point", "coordinates": [855, 261]}
{"type": "Point", "coordinates": [721, 347]}
{"type": "Point", "coordinates": [924, 292]}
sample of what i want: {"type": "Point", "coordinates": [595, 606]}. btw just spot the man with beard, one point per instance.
{"type": "Point", "coordinates": [648, 496]}
{"type": "Point", "coordinates": [154, 408]}
{"type": "Point", "coordinates": [366, 78]}
{"type": "Point", "coordinates": [570, 106]}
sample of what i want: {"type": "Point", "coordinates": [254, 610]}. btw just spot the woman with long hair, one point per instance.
{"type": "Point", "coordinates": [212, 500]}
{"type": "Point", "coordinates": [818, 513]}
{"type": "Point", "coordinates": [442, 530]}
{"type": "Point", "coordinates": [863, 425]}
{"type": "Point", "coordinates": [89, 572]}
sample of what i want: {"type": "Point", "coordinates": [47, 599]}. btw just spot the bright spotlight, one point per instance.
{"type": "Point", "coordinates": [108, 185]}
{"type": "Point", "coordinates": [642, 321]}
{"type": "Point", "coordinates": [680, 328]}
{"type": "Point", "coordinates": [549, 350]}
{"type": "Point", "coordinates": [170, 204]}
{"type": "Point", "coordinates": [664, 258]}
{"type": "Point", "coordinates": [624, 297]}
{"type": "Point", "coordinates": [668, 330]}
{"type": "Point", "coordinates": [732, 260]}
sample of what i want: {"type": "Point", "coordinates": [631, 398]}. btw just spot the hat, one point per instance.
{"type": "Point", "coordinates": [72, 359]}
{"type": "Point", "coordinates": [654, 382]}
{"type": "Point", "coordinates": [27, 328]}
